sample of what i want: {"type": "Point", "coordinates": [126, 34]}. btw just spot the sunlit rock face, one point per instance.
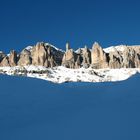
{"type": "Point", "coordinates": [39, 55]}
{"type": "Point", "coordinates": [25, 58]}
{"type": "Point", "coordinates": [47, 55]}
{"type": "Point", "coordinates": [5, 62]}
{"type": "Point", "coordinates": [98, 57]}
{"type": "Point", "coordinates": [70, 58]}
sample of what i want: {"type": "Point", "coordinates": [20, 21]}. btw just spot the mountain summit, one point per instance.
{"type": "Point", "coordinates": [45, 61]}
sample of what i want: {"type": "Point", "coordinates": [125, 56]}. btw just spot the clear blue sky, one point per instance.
{"type": "Point", "coordinates": [80, 22]}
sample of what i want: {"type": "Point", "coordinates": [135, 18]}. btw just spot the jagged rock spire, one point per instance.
{"type": "Point", "coordinates": [69, 57]}
{"type": "Point", "coordinates": [39, 54]}
{"type": "Point", "coordinates": [67, 46]}
{"type": "Point", "coordinates": [25, 58]}
{"type": "Point", "coordinates": [13, 58]}
{"type": "Point", "coordinates": [2, 55]}
{"type": "Point", "coordinates": [5, 62]}
{"type": "Point", "coordinates": [44, 54]}
{"type": "Point", "coordinates": [78, 62]}
{"type": "Point", "coordinates": [98, 56]}
{"type": "Point", "coordinates": [86, 55]}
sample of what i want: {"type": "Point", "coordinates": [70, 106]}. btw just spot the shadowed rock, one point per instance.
{"type": "Point", "coordinates": [2, 55]}
{"type": "Point", "coordinates": [130, 58]}
{"type": "Point", "coordinates": [5, 62]}
{"type": "Point", "coordinates": [13, 58]}
{"type": "Point", "coordinates": [115, 59]}
{"type": "Point", "coordinates": [44, 54]}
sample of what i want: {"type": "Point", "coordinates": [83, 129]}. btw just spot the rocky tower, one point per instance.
{"type": "Point", "coordinates": [13, 58]}
{"type": "Point", "coordinates": [69, 58]}
{"type": "Point", "coordinates": [5, 62]}
{"type": "Point", "coordinates": [98, 57]}
{"type": "Point", "coordinates": [2, 55]}
{"type": "Point", "coordinates": [39, 55]}
{"type": "Point", "coordinates": [86, 57]}
{"type": "Point", "coordinates": [115, 59]}
{"type": "Point", "coordinates": [25, 58]}
{"type": "Point", "coordinates": [44, 54]}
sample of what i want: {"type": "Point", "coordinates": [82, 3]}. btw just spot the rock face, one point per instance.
{"type": "Point", "coordinates": [70, 58]}
{"type": "Point", "coordinates": [115, 59]}
{"type": "Point", "coordinates": [25, 58]}
{"type": "Point", "coordinates": [78, 62]}
{"type": "Point", "coordinates": [85, 54]}
{"type": "Point", "coordinates": [5, 62]}
{"type": "Point", "coordinates": [39, 55]}
{"type": "Point", "coordinates": [2, 55]}
{"type": "Point", "coordinates": [44, 54]}
{"type": "Point", "coordinates": [13, 58]}
{"type": "Point", "coordinates": [98, 57]}
{"type": "Point", "coordinates": [130, 58]}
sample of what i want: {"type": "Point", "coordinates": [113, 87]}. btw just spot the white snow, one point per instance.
{"type": "Point", "coordinates": [112, 48]}
{"type": "Point", "coordinates": [61, 74]}
{"type": "Point", "coordinates": [29, 48]}
{"type": "Point", "coordinates": [54, 47]}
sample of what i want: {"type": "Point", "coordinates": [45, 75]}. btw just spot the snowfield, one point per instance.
{"type": "Point", "coordinates": [61, 74]}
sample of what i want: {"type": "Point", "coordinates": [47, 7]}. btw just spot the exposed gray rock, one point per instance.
{"type": "Point", "coordinates": [44, 54]}
{"type": "Point", "coordinates": [13, 58]}
{"type": "Point", "coordinates": [98, 56]}
{"type": "Point", "coordinates": [130, 58]}
{"type": "Point", "coordinates": [5, 62]}
{"type": "Point", "coordinates": [2, 55]}
{"type": "Point", "coordinates": [25, 58]}
{"type": "Point", "coordinates": [115, 59]}
{"type": "Point", "coordinates": [85, 56]}
{"type": "Point", "coordinates": [39, 54]}
{"type": "Point", "coordinates": [55, 54]}
{"type": "Point", "coordinates": [69, 58]}
{"type": "Point", "coordinates": [78, 62]}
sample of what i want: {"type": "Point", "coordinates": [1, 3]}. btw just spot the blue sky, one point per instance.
{"type": "Point", "coordinates": [110, 22]}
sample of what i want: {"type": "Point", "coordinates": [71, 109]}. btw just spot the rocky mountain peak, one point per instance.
{"type": "Point", "coordinates": [98, 56]}
{"type": "Point", "coordinates": [47, 55]}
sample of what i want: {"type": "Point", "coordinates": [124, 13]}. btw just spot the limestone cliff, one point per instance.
{"type": "Point", "coordinates": [44, 54]}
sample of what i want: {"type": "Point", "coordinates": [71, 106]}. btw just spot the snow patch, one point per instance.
{"type": "Point", "coordinates": [118, 48]}
{"type": "Point", "coordinates": [61, 74]}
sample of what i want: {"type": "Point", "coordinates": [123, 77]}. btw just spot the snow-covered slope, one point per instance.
{"type": "Point", "coordinates": [61, 74]}
{"type": "Point", "coordinates": [118, 48]}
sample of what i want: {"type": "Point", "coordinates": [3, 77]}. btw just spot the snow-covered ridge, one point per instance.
{"type": "Point", "coordinates": [61, 74]}
{"type": "Point", "coordinates": [120, 48]}
{"type": "Point", "coordinates": [46, 44]}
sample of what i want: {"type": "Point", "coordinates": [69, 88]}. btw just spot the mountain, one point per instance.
{"type": "Point", "coordinates": [32, 109]}
{"type": "Point", "coordinates": [47, 62]}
